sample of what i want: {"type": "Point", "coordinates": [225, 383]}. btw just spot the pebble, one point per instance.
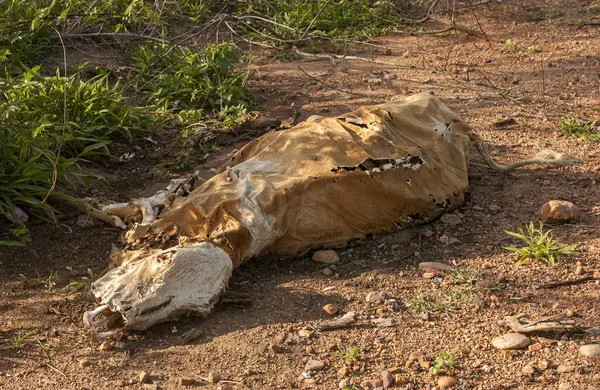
{"type": "Point", "coordinates": [344, 372]}
{"type": "Point", "coordinates": [144, 377]}
{"type": "Point", "coordinates": [275, 348]}
{"type": "Point", "coordinates": [345, 384]}
{"type": "Point", "coordinates": [511, 341]}
{"type": "Point", "coordinates": [434, 266]}
{"type": "Point", "coordinates": [304, 333]}
{"type": "Point", "coordinates": [528, 369]}
{"type": "Point", "coordinates": [186, 381]}
{"type": "Point", "coordinates": [377, 296]}
{"type": "Point", "coordinates": [371, 384]}
{"type": "Point", "coordinates": [327, 272]}
{"type": "Point", "coordinates": [330, 309]}
{"type": "Point", "coordinates": [450, 219]}
{"type": "Point", "coordinates": [544, 364]}
{"type": "Point", "coordinates": [326, 257]}
{"type": "Point", "coordinates": [485, 284]}
{"type": "Point", "coordinates": [563, 368]}
{"type": "Point", "coordinates": [314, 365]}
{"type": "Point", "coordinates": [395, 370]}
{"type": "Point", "coordinates": [494, 208]}
{"type": "Point", "coordinates": [558, 211]}
{"type": "Point", "coordinates": [535, 347]}
{"type": "Point", "coordinates": [105, 346]}
{"type": "Point", "coordinates": [565, 386]}
{"type": "Point", "coordinates": [399, 380]}
{"type": "Point", "coordinates": [579, 269]}
{"type": "Point", "coordinates": [446, 382]}
{"type": "Point", "coordinates": [387, 378]}
{"type": "Point", "coordinates": [383, 322]}
{"type": "Point", "coordinates": [214, 377]}
{"type": "Point", "coordinates": [429, 275]}
{"type": "Point", "coordinates": [590, 350]}
{"type": "Point", "coordinates": [84, 363]}
{"type": "Point", "coordinates": [225, 387]}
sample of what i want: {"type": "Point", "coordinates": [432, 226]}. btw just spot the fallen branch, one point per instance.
{"type": "Point", "coordinates": [342, 322]}
{"type": "Point", "coordinates": [555, 323]}
{"type": "Point", "coordinates": [112, 35]}
{"type": "Point", "coordinates": [569, 282]}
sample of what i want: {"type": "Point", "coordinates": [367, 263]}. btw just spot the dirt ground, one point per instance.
{"type": "Point", "coordinates": [552, 69]}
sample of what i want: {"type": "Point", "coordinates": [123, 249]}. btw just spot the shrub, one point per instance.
{"type": "Point", "coordinates": [540, 245]}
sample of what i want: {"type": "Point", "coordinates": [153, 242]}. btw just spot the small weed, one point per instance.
{"type": "Point", "coordinates": [49, 283]}
{"type": "Point", "coordinates": [445, 363]}
{"type": "Point", "coordinates": [45, 346]}
{"type": "Point", "coordinates": [464, 276]}
{"type": "Point", "coordinates": [349, 354]}
{"type": "Point", "coordinates": [20, 340]}
{"type": "Point", "coordinates": [509, 47]}
{"type": "Point", "coordinates": [534, 49]}
{"type": "Point", "coordinates": [540, 245]}
{"type": "Point", "coordinates": [84, 283]}
{"type": "Point", "coordinates": [422, 304]}
{"type": "Point", "coordinates": [580, 129]}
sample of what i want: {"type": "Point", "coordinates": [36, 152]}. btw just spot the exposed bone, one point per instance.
{"type": "Point", "coordinates": [342, 322]}
{"type": "Point", "coordinates": [84, 206]}
{"type": "Point", "coordinates": [90, 322]}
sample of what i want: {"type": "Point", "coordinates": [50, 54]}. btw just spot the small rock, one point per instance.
{"type": "Point", "coordinates": [144, 377]}
{"type": "Point", "coordinates": [377, 296]}
{"type": "Point", "coordinates": [314, 365]}
{"type": "Point", "coordinates": [84, 363]}
{"type": "Point", "coordinates": [399, 380]}
{"type": "Point", "coordinates": [535, 347]}
{"type": "Point", "coordinates": [543, 364]}
{"type": "Point", "coordinates": [485, 284]}
{"type": "Point", "coordinates": [275, 348]}
{"type": "Point", "coordinates": [558, 211]}
{"type": "Point", "coordinates": [450, 219]}
{"type": "Point", "coordinates": [186, 381]}
{"type": "Point", "coordinates": [590, 350]}
{"type": "Point", "coordinates": [214, 377]}
{"type": "Point", "coordinates": [395, 370]}
{"type": "Point", "coordinates": [565, 386]}
{"type": "Point", "coordinates": [327, 272]}
{"type": "Point", "coordinates": [446, 382]}
{"type": "Point", "coordinates": [579, 269]}
{"type": "Point", "coordinates": [494, 208]}
{"type": "Point", "coordinates": [330, 309]}
{"type": "Point", "coordinates": [371, 384]}
{"type": "Point", "coordinates": [344, 372]}
{"type": "Point", "coordinates": [429, 275]}
{"type": "Point", "coordinates": [528, 370]}
{"type": "Point", "coordinates": [304, 333]}
{"type": "Point", "coordinates": [105, 346]}
{"type": "Point", "coordinates": [383, 322]}
{"type": "Point", "coordinates": [225, 387]}
{"type": "Point", "coordinates": [563, 368]}
{"type": "Point", "coordinates": [511, 341]}
{"type": "Point", "coordinates": [374, 81]}
{"type": "Point", "coordinates": [434, 266]}
{"type": "Point", "coordinates": [326, 257]}
{"type": "Point", "coordinates": [387, 378]}
{"type": "Point", "coordinates": [345, 384]}
{"type": "Point", "coordinates": [596, 274]}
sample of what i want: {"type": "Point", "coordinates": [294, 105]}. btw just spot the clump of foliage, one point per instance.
{"type": "Point", "coordinates": [539, 245]}
{"type": "Point", "coordinates": [444, 363]}
{"type": "Point", "coordinates": [184, 80]}
{"type": "Point", "coordinates": [48, 125]}
{"type": "Point", "coordinates": [579, 129]}
{"type": "Point", "coordinates": [349, 354]}
{"type": "Point", "coordinates": [509, 47]}
{"type": "Point", "coordinates": [422, 304]}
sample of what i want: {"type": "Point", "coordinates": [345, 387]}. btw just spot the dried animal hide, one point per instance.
{"type": "Point", "coordinates": [320, 183]}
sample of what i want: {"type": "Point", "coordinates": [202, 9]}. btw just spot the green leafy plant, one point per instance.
{"type": "Point", "coordinates": [20, 340]}
{"type": "Point", "coordinates": [444, 363]}
{"type": "Point", "coordinates": [48, 282]}
{"type": "Point", "coordinates": [84, 282]}
{"type": "Point", "coordinates": [422, 304]}
{"type": "Point", "coordinates": [349, 354]}
{"type": "Point", "coordinates": [509, 47]}
{"type": "Point", "coordinates": [539, 245]}
{"type": "Point", "coordinates": [579, 129]}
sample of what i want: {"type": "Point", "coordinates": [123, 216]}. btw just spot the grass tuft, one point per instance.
{"type": "Point", "coordinates": [539, 245]}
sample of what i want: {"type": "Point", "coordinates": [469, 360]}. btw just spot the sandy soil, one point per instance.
{"type": "Point", "coordinates": [553, 69]}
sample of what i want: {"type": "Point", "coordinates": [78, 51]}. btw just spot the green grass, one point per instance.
{"type": "Point", "coordinates": [422, 304]}
{"type": "Point", "coordinates": [84, 282]}
{"type": "Point", "coordinates": [445, 363]}
{"type": "Point", "coordinates": [20, 340]}
{"type": "Point", "coordinates": [579, 129]}
{"type": "Point", "coordinates": [349, 354]}
{"type": "Point", "coordinates": [539, 245]}
{"type": "Point", "coordinates": [48, 282]}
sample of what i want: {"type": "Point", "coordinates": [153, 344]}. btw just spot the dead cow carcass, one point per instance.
{"type": "Point", "coordinates": [322, 182]}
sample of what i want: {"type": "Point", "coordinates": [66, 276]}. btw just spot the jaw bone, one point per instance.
{"type": "Point", "coordinates": [161, 286]}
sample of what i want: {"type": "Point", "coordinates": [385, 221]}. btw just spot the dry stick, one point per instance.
{"type": "Point", "coordinates": [54, 167]}
{"type": "Point", "coordinates": [315, 19]}
{"type": "Point", "coordinates": [113, 35]}
{"type": "Point", "coordinates": [329, 85]}
{"type": "Point", "coordinates": [479, 24]}
{"type": "Point", "coordinates": [569, 282]}
{"type": "Point", "coordinates": [57, 370]}
{"type": "Point", "coordinates": [332, 57]}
